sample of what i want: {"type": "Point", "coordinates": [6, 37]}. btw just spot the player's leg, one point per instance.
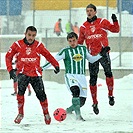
{"type": "Point", "coordinates": [29, 90]}
{"type": "Point", "coordinates": [72, 84]}
{"type": "Point", "coordinates": [15, 86]}
{"type": "Point", "coordinates": [93, 70]}
{"type": "Point", "coordinates": [38, 87]}
{"type": "Point", "coordinates": [83, 88]}
{"type": "Point", "coordinates": [23, 81]}
{"type": "Point", "coordinates": [82, 83]}
{"type": "Point", "coordinates": [82, 101]}
{"type": "Point", "coordinates": [76, 101]}
{"type": "Point", "coordinates": [106, 63]}
{"type": "Point", "coordinates": [71, 109]}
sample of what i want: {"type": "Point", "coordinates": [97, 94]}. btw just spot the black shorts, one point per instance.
{"type": "Point", "coordinates": [94, 69]}
{"type": "Point", "coordinates": [36, 83]}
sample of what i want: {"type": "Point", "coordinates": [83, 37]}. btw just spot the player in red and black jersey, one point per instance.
{"type": "Point", "coordinates": [94, 33]}
{"type": "Point", "coordinates": [28, 52]}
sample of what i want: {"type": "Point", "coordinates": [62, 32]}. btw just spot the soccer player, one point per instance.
{"type": "Point", "coordinates": [28, 52]}
{"type": "Point", "coordinates": [74, 57]}
{"type": "Point", "coordinates": [94, 33]}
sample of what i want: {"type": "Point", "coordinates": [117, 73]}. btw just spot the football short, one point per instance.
{"type": "Point", "coordinates": [77, 80]}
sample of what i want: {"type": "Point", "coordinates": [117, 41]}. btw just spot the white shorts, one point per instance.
{"type": "Point", "coordinates": [78, 80]}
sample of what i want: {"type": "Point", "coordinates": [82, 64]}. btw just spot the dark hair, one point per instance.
{"type": "Point", "coordinates": [59, 19]}
{"type": "Point", "coordinates": [92, 6]}
{"type": "Point", "coordinates": [31, 28]}
{"type": "Point", "coordinates": [71, 35]}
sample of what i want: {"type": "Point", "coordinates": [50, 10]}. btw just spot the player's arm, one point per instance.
{"type": "Point", "coordinates": [48, 56]}
{"type": "Point", "coordinates": [93, 59]}
{"type": "Point", "coordinates": [81, 35]}
{"type": "Point", "coordinates": [9, 56]}
{"type": "Point", "coordinates": [47, 65]}
{"type": "Point", "coordinates": [113, 27]}
{"type": "Point", "coordinates": [58, 57]}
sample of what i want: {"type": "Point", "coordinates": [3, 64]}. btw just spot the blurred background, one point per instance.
{"type": "Point", "coordinates": [17, 15]}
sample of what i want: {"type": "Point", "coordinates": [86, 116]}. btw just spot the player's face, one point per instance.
{"type": "Point", "coordinates": [72, 42]}
{"type": "Point", "coordinates": [30, 36]}
{"type": "Point", "coordinates": [90, 12]}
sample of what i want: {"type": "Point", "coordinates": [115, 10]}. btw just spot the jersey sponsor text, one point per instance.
{"type": "Point", "coordinates": [28, 59]}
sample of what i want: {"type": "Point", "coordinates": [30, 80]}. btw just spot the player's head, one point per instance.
{"type": "Point", "coordinates": [91, 10]}
{"type": "Point", "coordinates": [72, 39]}
{"type": "Point", "coordinates": [30, 34]}
{"type": "Point", "coordinates": [59, 19]}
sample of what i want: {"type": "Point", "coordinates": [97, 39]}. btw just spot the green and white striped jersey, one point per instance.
{"type": "Point", "coordinates": [74, 59]}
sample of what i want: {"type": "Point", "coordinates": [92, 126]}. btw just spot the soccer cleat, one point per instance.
{"type": "Point", "coordinates": [95, 108]}
{"type": "Point", "coordinates": [29, 93]}
{"type": "Point", "coordinates": [80, 118]}
{"type": "Point", "coordinates": [14, 94]}
{"type": "Point", "coordinates": [18, 118]}
{"type": "Point", "coordinates": [111, 100]}
{"type": "Point", "coordinates": [47, 119]}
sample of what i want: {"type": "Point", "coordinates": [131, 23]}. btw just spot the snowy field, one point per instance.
{"type": "Point", "coordinates": [115, 119]}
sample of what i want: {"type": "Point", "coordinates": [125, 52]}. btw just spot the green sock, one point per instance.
{"type": "Point", "coordinates": [70, 109]}
{"type": "Point", "coordinates": [76, 105]}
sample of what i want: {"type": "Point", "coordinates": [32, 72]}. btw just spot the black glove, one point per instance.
{"type": "Point", "coordinates": [114, 18]}
{"type": "Point", "coordinates": [104, 51]}
{"type": "Point", "coordinates": [13, 74]}
{"type": "Point", "coordinates": [57, 70]}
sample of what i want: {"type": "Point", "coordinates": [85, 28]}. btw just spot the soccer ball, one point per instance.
{"type": "Point", "coordinates": [60, 114]}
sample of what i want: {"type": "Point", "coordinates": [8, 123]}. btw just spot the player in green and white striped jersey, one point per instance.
{"type": "Point", "coordinates": [74, 57]}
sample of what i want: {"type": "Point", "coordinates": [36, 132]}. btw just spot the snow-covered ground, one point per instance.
{"type": "Point", "coordinates": [116, 119]}
{"type": "Point", "coordinates": [111, 119]}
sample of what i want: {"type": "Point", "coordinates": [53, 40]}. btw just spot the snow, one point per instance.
{"type": "Point", "coordinates": [111, 119]}
{"type": "Point", "coordinates": [116, 119]}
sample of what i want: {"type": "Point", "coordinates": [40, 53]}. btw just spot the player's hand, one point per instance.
{"type": "Point", "coordinates": [13, 74]}
{"type": "Point", "coordinates": [114, 18]}
{"type": "Point", "coordinates": [57, 69]}
{"type": "Point", "coordinates": [104, 51]}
